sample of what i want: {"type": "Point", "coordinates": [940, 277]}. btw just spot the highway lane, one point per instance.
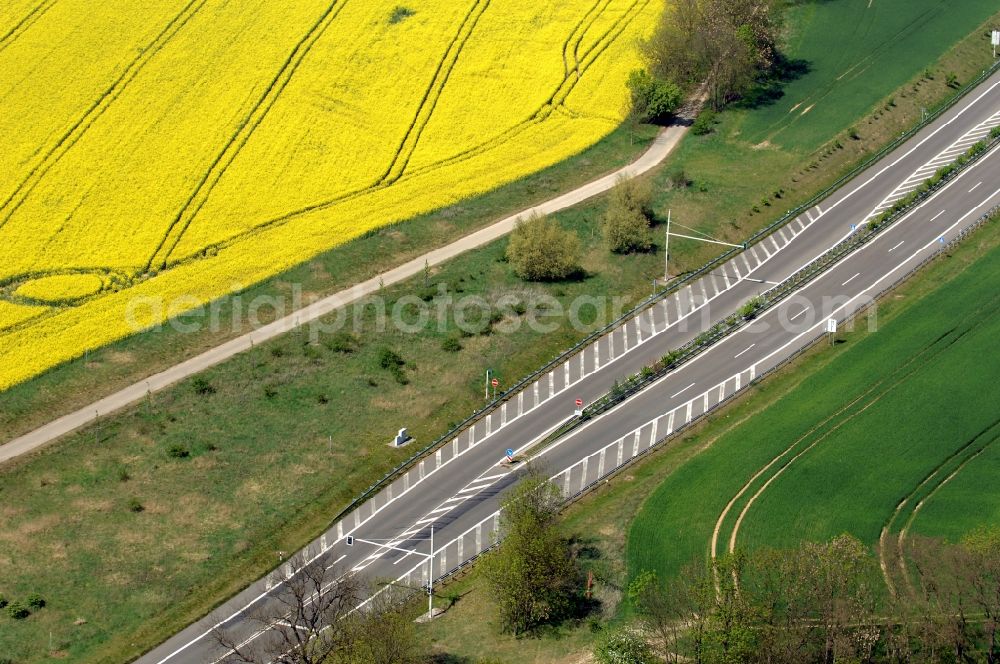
{"type": "Point", "coordinates": [447, 495]}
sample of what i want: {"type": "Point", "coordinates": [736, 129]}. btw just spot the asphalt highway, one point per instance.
{"type": "Point", "coordinates": [456, 490]}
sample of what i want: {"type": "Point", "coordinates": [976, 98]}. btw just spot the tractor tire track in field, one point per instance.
{"type": "Point", "coordinates": [537, 116]}
{"type": "Point", "coordinates": [577, 33]}
{"type": "Point", "coordinates": [433, 93]}
{"type": "Point", "coordinates": [79, 127]}
{"type": "Point", "coordinates": [831, 87]}
{"type": "Point", "coordinates": [543, 112]}
{"type": "Point", "coordinates": [236, 142]}
{"type": "Point", "coordinates": [934, 481]}
{"type": "Point", "coordinates": [22, 26]}
{"type": "Point", "coordinates": [846, 414]}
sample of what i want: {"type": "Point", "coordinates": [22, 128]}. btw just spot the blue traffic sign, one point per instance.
{"type": "Point", "coordinates": [510, 452]}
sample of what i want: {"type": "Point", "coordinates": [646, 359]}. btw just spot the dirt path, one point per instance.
{"type": "Point", "coordinates": [662, 146]}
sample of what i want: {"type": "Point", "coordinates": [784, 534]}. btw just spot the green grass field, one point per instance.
{"type": "Point", "coordinates": [840, 452]}
{"type": "Point", "coordinates": [856, 50]}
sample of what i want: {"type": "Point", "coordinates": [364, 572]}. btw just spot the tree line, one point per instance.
{"type": "Point", "coordinates": [826, 603]}
{"type": "Point", "coordinates": [727, 46]}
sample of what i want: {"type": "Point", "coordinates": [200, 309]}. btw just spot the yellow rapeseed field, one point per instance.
{"type": "Point", "coordinates": [174, 148]}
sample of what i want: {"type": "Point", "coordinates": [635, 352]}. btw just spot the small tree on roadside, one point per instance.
{"type": "Point", "coordinates": [540, 250]}
{"type": "Point", "coordinates": [532, 575]}
{"type": "Point", "coordinates": [625, 223]}
{"type": "Point", "coordinates": [653, 100]}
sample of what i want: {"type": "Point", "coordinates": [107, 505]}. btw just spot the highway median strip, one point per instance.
{"type": "Point", "coordinates": [621, 391]}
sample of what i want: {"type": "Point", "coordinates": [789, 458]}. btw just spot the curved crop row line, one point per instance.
{"type": "Point", "coordinates": [21, 26]}
{"type": "Point", "coordinates": [256, 115]}
{"type": "Point", "coordinates": [537, 116]}
{"type": "Point", "coordinates": [70, 137]}
{"type": "Point", "coordinates": [433, 93]}
{"type": "Point", "coordinates": [846, 413]}
{"type": "Point", "coordinates": [460, 39]}
{"type": "Point", "coordinates": [577, 33]}
{"type": "Point", "coordinates": [934, 482]}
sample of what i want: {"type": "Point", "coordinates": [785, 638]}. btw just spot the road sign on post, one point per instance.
{"type": "Point", "coordinates": [831, 328]}
{"type": "Point", "coordinates": [579, 407]}
{"type": "Point", "coordinates": [995, 40]}
{"type": "Point", "coordinates": [510, 455]}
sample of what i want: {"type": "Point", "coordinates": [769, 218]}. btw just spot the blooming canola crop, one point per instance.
{"type": "Point", "coordinates": [199, 143]}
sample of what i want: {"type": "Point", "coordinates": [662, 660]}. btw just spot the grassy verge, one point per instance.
{"type": "Point", "coordinates": [75, 384]}
{"type": "Point", "coordinates": [255, 459]}
{"type": "Point", "coordinates": [642, 510]}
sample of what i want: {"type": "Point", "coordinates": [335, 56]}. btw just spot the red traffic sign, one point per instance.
{"type": "Point", "coordinates": [495, 382]}
{"type": "Point", "coordinates": [579, 403]}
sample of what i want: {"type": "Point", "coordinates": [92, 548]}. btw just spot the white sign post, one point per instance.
{"type": "Point", "coordinates": [995, 41]}
{"type": "Point", "coordinates": [831, 328]}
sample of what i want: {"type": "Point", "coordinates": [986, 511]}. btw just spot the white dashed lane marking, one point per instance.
{"type": "Point", "coordinates": [682, 391]}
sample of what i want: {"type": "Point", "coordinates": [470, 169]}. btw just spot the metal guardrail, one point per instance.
{"type": "Point", "coordinates": [463, 565]}
{"type": "Point", "coordinates": [768, 300]}
{"type": "Point", "coordinates": [673, 287]}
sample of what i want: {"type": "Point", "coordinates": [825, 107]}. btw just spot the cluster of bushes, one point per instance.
{"type": "Point", "coordinates": [19, 610]}
{"type": "Point", "coordinates": [391, 361]}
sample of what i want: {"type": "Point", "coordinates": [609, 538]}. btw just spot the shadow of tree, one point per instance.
{"type": "Point", "coordinates": [771, 87]}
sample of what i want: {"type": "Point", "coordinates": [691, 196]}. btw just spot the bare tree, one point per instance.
{"type": "Point", "coordinates": [945, 602]}
{"type": "Point", "coordinates": [306, 619]}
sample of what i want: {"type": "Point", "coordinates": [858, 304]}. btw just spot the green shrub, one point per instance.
{"type": "Point", "coordinates": [679, 179]}
{"type": "Point", "coordinates": [451, 345]}
{"type": "Point", "coordinates": [341, 342]}
{"type": "Point", "coordinates": [623, 646]}
{"type": "Point", "coordinates": [178, 451]}
{"type": "Point", "coordinates": [36, 601]}
{"type": "Point", "coordinates": [751, 307]}
{"type": "Point", "coordinates": [134, 505]}
{"type": "Point", "coordinates": [389, 359]}
{"type": "Point", "coordinates": [3, 601]}
{"type": "Point", "coordinates": [625, 223]}
{"type": "Point", "coordinates": [704, 123]}
{"type": "Point", "coordinates": [653, 100]}
{"type": "Point", "coordinates": [541, 250]}
{"type": "Point", "coordinates": [202, 386]}
{"type": "Point", "coordinates": [17, 611]}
